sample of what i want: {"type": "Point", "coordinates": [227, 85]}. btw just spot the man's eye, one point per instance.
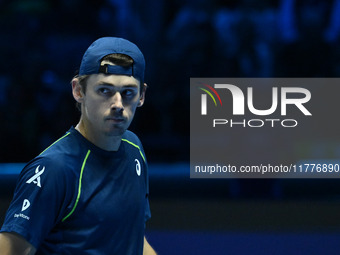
{"type": "Point", "coordinates": [104, 91]}
{"type": "Point", "coordinates": [129, 92]}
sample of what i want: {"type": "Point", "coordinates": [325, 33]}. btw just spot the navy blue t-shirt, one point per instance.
{"type": "Point", "coordinates": [75, 198]}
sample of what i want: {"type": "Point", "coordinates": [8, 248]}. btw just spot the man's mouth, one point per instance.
{"type": "Point", "coordinates": [116, 119]}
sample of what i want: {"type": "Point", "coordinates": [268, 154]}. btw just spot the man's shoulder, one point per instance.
{"type": "Point", "coordinates": [131, 137]}
{"type": "Point", "coordinates": [134, 143]}
{"type": "Point", "coordinates": [64, 145]}
{"type": "Point", "coordinates": [62, 157]}
{"type": "Point", "coordinates": [56, 166]}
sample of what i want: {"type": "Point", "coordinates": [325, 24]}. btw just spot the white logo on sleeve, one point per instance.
{"type": "Point", "coordinates": [138, 167]}
{"type": "Point", "coordinates": [25, 205]}
{"type": "Point", "coordinates": [36, 178]}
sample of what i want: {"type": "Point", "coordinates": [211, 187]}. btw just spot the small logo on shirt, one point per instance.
{"type": "Point", "coordinates": [25, 205]}
{"type": "Point", "coordinates": [36, 178]}
{"type": "Point", "coordinates": [138, 167]}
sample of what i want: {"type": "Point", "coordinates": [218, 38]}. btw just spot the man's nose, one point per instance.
{"type": "Point", "coordinates": [117, 102]}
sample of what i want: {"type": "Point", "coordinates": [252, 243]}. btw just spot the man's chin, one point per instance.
{"type": "Point", "coordinates": [117, 131]}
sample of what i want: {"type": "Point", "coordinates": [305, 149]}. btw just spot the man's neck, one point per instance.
{"type": "Point", "coordinates": [108, 143]}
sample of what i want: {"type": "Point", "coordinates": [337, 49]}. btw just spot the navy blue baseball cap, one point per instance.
{"type": "Point", "coordinates": [102, 47]}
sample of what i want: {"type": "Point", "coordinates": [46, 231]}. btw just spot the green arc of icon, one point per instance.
{"type": "Point", "coordinates": [206, 91]}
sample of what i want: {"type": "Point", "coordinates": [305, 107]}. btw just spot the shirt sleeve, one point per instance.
{"type": "Point", "coordinates": [42, 196]}
{"type": "Point", "coordinates": [147, 214]}
{"type": "Point", "coordinates": [147, 210]}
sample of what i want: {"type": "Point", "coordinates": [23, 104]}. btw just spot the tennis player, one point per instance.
{"type": "Point", "coordinates": [87, 193]}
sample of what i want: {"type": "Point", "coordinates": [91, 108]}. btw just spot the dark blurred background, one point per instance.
{"type": "Point", "coordinates": [41, 45]}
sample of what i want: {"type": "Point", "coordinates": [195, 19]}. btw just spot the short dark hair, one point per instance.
{"type": "Point", "coordinates": [118, 59]}
{"type": "Point", "coordinates": [115, 59]}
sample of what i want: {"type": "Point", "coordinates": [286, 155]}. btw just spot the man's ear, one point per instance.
{"type": "Point", "coordinates": [142, 95]}
{"type": "Point", "coordinates": [77, 90]}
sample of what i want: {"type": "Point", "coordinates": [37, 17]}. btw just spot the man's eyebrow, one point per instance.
{"type": "Point", "coordinates": [113, 85]}
{"type": "Point", "coordinates": [130, 85]}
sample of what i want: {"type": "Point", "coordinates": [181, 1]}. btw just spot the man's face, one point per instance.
{"type": "Point", "coordinates": [109, 103]}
